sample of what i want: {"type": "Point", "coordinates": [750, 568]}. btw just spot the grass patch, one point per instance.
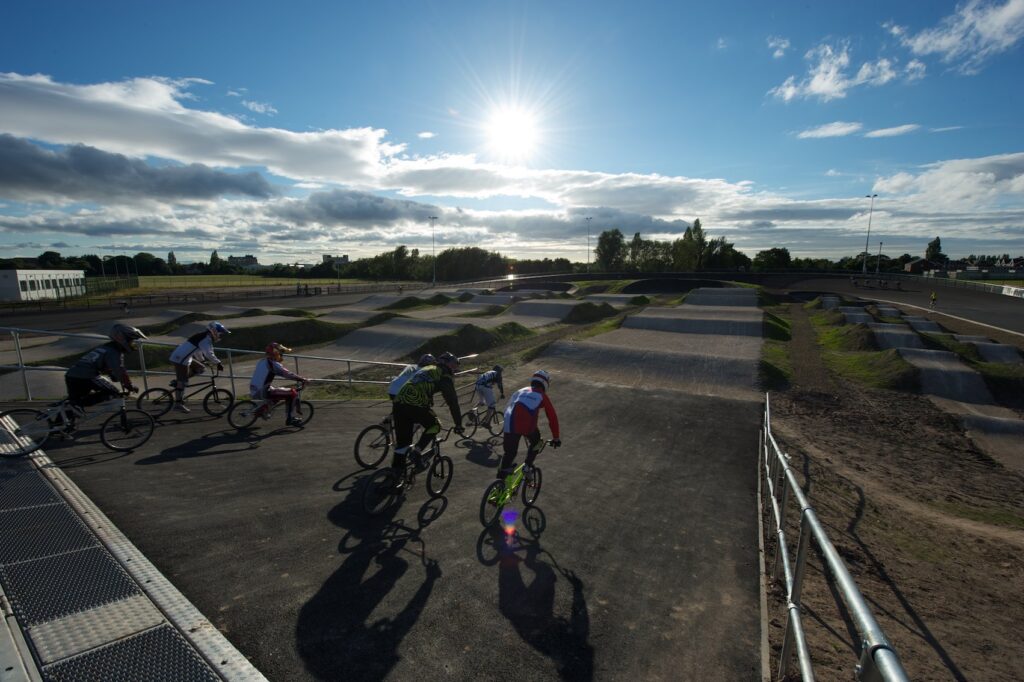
{"type": "Point", "coordinates": [603, 327]}
{"type": "Point", "coordinates": [994, 517]}
{"type": "Point", "coordinates": [775, 369]}
{"type": "Point", "coordinates": [673, 302]}
{"type": "Point", "coordinates": [590, 312]}
{"type": "Point", "coordinates": [1004, 380]}
{"type": "Point", "coordinates": [639, 300]}
{"type": "Point", "coordinates": [815, 304]}
{"type": "Point", "coordinates": [848, 337]}
{"type": "Point", "coordinates": [885, 369]}
{"type": "Point", "coordinates": [472, 339]}
{"type": "Point", "coordinates": [411, 302]}
{"type": "Point", "coordinates": [967, 351]}
{"type": "Point", "coordinates": [776, 328]}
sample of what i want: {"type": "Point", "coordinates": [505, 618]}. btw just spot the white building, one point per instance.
{"type": "Point", "coordinates": [34, 285]}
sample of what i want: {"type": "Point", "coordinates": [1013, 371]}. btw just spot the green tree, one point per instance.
{"type": "Point", "coordinates": [635, 248]}
{"type": "Point", "coordinates": [610, 253]}
{"type": "Point", "coordinates": [50, 259]}
{"type": "Point", "coordinates": [772, 259]}
{"type": "Point", "coordinates": [934, 251]}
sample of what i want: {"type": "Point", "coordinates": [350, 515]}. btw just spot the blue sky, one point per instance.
{"type": "Point", "coordinates": [288, 131]}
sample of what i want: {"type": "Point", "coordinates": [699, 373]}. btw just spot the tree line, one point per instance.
{"type": "Point", "coordinates": [695, 251]}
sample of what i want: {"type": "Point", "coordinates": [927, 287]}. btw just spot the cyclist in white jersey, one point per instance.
{"type": "Point", "coordinates": [189, 356]}
{"type": "Point", "coordinates": [484, 387]}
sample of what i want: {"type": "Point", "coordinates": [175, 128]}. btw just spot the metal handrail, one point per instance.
{"type": "Point", "coordinates": [878, 660]}
{"type": "Point", "coordinates": [230, 354]}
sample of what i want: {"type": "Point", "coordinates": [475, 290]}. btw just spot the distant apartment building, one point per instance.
{"type": "Point", "coordinates": [336, 260]}
{"type": "Point", "coordinates": [35, 285]}
{"type": "Point", "coordinates": [246, 262]}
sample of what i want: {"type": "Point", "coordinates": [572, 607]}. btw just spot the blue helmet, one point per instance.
{"type": "Point", "coordinates": [217, 329]}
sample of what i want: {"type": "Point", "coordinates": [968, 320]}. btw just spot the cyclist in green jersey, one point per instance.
{"type": "Point", "coordinates": [412, 406]}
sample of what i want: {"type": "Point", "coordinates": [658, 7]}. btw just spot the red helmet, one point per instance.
{"type": "Point", "coordinates": [276, 350]}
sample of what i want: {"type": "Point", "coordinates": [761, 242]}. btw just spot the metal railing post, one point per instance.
{"type": "Point", "coordinates": [349, 373]}
{"type": "Point", "coordinates": [231, 370]}
{"type": "Point", "coordinates": [142, 366]}
{"type": "Point", "coordinates": [21, 364]}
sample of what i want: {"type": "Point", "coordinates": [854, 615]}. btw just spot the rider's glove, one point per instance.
{"type": "Point", "coordinates": [502, 396]}
{"type": "Point", "coordinates": [133, 389]}
{"type": "Point", "coordinates": [556, 443]}
{"type": "Point", "coordinates": [220, 366]}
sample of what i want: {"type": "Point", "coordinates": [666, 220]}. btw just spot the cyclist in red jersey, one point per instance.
{"type": "Point", "coordinates": [521, 416]}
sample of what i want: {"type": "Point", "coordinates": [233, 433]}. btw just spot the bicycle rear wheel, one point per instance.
{"type": "Point", "coordinates": [156, 402]}
{"type": "Point", "coordinates": [23, 430]}
{"type": "Point", "coordinates": [242, 414]}
{"type": "Point", "coordinates": [440, 476]}
{"type": "Point", "coordinates": [496, 424]}
{"type": "Point", "coordinates": [379, 492]}
{"type": "Point", "coordinates": [531, 489]}
{"type": "Point", "coordinates": [218, 401]}
{"type": "Point", "coordinates": [470, 422]}
{"type": "Point", "coordinates": [489, 509]}
{"type": "Point", "coordinates": [372, 446]}
{"type": "Point", "coordinates": [127, 430]}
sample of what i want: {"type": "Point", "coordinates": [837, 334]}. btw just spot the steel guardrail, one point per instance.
{"type": "Point", "coordinates": [878, 659]}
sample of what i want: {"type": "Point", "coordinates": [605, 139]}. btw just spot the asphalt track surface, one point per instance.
{"type": "Point", "coordinates": [1004, 312]}
{"type": "Point", "coordinates": [641, 561]}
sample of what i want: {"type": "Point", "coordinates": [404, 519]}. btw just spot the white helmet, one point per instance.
{"type": "Point", "coordinates": [217, 330]}
{"type": "Point", "coordinates": [541, 377]}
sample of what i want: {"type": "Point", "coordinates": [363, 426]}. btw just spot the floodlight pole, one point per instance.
{"type": "Point", "coordinates": [433, 257]}
{"type": "Point", "coordinates": [870, 211]}
{"type": "Point", "coordinates": [589, 218]}
{"type": "Point", "coordinates": [878, 261]}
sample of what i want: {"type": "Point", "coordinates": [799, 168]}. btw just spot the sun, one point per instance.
{"type": "Point", "coordinates": [512, 134]}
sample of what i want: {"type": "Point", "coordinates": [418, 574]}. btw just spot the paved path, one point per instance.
{"type": "Point", "coordinates": [644, 565]}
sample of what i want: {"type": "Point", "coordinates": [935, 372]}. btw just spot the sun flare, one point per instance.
{"type": "Point", "coordinates": [512, 134]}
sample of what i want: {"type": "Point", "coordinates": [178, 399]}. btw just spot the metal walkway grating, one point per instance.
{"type": "Point", "coordinates": [58, 586]}
{"type": "Point", "coordinates": [154, 655]}
{"type": "Point", "coordinates": [81, 608]}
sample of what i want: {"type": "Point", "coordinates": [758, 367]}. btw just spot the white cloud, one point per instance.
{"type": "Point", "coordinates": [961, 183]}
{"type": "Point", "coordinates": [977, 31]}
{"type": "Point", "coordinates": [828, 75]}
{"type": "Point", "coordinates": [237, 92]}
{"type": "Point", "coordinates": [426, 135]}
{"type": "Point", "coordinates": [153, 117]}
{"type": "Point", "coordinates": [145, 117]}
{"type": "Point", "coordinates": [945, 129]}
{"type": "Point", "coordinates": [778, 46]}
{"type": "Point", "coordinates": [834, 129]}
{"type": "Point", "coordinates": [721, 44]}
{"type": "Point", "coordinates": [894, 131]}
{"type": "Point", "coordinates": [832, 173]}
{"type": "Point", "coordinates": [259, 107]}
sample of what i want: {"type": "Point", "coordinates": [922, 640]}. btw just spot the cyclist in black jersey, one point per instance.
{"type": "Point", "coordinates": [412, 406]}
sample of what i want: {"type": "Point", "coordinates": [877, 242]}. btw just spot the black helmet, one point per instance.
{"type": "Point", "coordinates": [125, 335]}
{"type": "Point", "coordinates": [427, 359]}
{"type": "Point", "coordinates": [448, 361]}
{"type": "Point", "coordinates": [497, 368]}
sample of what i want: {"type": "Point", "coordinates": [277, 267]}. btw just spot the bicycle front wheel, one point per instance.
{"type": "Point", "coordinates": [156, 402]}
{"type": "Point", "coordinates": [127, 430]}
{"type": "Point", "coordinates": [242, 414]}
{"type": "Point", "coordinates": [372, 446]}
{"type": "Point", "coordinates": [379, 492]}
{"type": "Point", "coordinates": [22, 431]}
{"type": "Point", "coordinates": [469, 424]}
{"type": "Point", "coordinates": [440, 476]}
{"type": "Point", "coordinates": [491, 503]}
{"type": "Point", "coordinates": [304, 411]}
{"type": "Point", "coordinates": [496, 424]}
{"type": "Point", "coordinates": [218, 401]}
{"type": "Point", "coordinates": [531, 487]}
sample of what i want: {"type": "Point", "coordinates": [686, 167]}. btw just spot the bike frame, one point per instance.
{"type": "Point", "coordinates": [59, 412]}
